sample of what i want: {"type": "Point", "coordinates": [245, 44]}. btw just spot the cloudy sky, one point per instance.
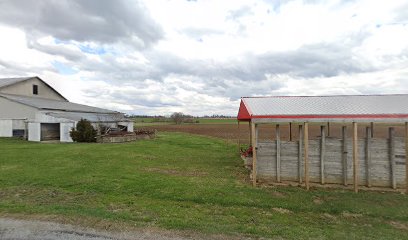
{"type": "Point", "coordinates": [199, 57]}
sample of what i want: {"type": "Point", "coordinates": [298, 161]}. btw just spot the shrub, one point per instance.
{"type": "Point", "coordinates": [84, 132]}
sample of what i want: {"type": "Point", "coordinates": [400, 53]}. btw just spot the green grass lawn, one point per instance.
{"type": "Point", "coordinates": [183, 182]}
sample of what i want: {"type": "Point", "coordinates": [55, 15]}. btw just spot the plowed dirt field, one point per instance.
{"type": "Point", "coordinates": [231, 132]}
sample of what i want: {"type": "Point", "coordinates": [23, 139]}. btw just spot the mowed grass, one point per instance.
{"type": "Point", "coordinates": [184, 182]}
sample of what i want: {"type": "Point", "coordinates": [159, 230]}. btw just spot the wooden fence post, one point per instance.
{"type": "Point", "coordinates": [392, 157]}
{"type": "Point", "coordinates": [306, 152]}
{"type": "Point", "coordinates": [355, 156]}
{"type": "Point", "coordinates": [290, 132]}
{"type": "Point", "coordinates": [322, 152]}
{"type": "Point", "coordinates": [344, 154]}
{"type": "Point", "coordinates": [254, 150]}
{"type": "Point", "coordinates": [300, 153]}
{"type": "Point", "coordinates": [368, 155]}
{"type": "Point", "coordinates": [328, 129]}
{"type": "Point", "coordinates": [278, 153]}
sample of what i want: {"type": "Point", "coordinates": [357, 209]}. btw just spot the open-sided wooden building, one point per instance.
{"type": "Point", "coordinates": [357, 159]}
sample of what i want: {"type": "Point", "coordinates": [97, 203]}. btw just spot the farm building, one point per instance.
{"type": "Point", "coordinates": [31, 108]}
{"type": "Point", "coordinates": [357, 155]}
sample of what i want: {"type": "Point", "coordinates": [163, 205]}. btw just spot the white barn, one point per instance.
{"type": "Point", "coordinates": [32, 109]}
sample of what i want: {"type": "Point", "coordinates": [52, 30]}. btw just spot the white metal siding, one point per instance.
{"type": "Point", "coordinates": [34, 132]}
{"type": "Point", "coordinates": [25, 88]}
{"type": "Point", "coordinates": [6, 128]}
{"type": "Point", "coordinates": [65, 128]}
{"type": "Point", "coordinates": [14, 110]}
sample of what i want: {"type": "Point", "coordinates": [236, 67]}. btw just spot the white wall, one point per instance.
{"type": "Point", "coordinates": [6, 128]}
{"type": "Point", "coordinates": [34, 131]}
{"type": "Point", "coordinates": [19, 124]}
{"type": "Point", "coordinates": [65, 128]}
{"type": "Point", "coordinates": [14, 110]}
{"type": "Point", "coordinates": [25, 88]}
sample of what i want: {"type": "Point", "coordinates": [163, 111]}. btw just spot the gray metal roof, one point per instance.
{"type": "Point", "coordinates": [49, 104]}
{"type": "Point", "coordinates": [10, 81]}
{"type": "Point", "coordinates": [344, 106]}
{"type": "Point", "coordinates": [92, 117]}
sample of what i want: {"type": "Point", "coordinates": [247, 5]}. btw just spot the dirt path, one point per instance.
{"type": "Point", "coordinates": [12, 229]}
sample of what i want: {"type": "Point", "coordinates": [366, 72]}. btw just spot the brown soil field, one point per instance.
{"type": "Point", "coordinates": [231, 132]}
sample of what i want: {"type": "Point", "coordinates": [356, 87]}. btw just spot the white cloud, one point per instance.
{"type": "Point", "coordinates": [199, 57]}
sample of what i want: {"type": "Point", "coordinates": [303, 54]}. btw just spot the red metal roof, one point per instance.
{"type": "Point", "coordinates": [344, 107]}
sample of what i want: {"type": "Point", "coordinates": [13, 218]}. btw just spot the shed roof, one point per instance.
{"type": "Point", "coordinates": [48, 104]}
{"type": "Point", "coordinates": [325, 108]}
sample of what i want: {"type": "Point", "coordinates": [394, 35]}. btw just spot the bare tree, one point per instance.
{"type": "Point", "coordinates": [177, 117]}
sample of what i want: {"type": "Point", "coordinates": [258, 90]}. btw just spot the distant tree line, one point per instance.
{"type": "Point", "coordinates": [186, 115]}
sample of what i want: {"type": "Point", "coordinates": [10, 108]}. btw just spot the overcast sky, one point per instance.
{"type": "Point", "coordinates": [199, 57]}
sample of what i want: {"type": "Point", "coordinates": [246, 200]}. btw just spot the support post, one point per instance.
{"type": "Point", "coordinates": [328, 129]}
{"type": "Point", "coordinates": [322, 153]}
{"type": "Point", "coordinates": [372, 129]}
{"type": "Point", "coordinates": [290, 132]}
{"type": "Point", "coordinates": [254, 150]}
{"type": "Point", "coordinates": [306, 153]}
{"type": "Point", "coordinates": [355, 156]}
{"type": "Point", "coordinates": [406, 157]}
{"type": "Point", "coordinates": [344, 154]}
{"type": "Point", "coordinates": [392, 158]}
{"type": "Point", "coordinates": [368, 155]}
{"type": "Point", "coordinates": [278, 153]}
{"type": "Point", "coordinates": [300, 153]}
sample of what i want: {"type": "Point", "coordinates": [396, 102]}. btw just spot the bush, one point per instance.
{"type": "Point", "coordinates": [84, 132]}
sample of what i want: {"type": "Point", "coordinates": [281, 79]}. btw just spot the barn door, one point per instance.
{"type": "Point", "coordinates": [50, 131]}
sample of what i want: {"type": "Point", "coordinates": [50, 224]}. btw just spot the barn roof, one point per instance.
{"type": "Point", "coordinates": [93, 117]}
{"type": "Point", "coordinates": [364, 108]}
{"type": "Point", "coordinates": [10, 81]}
{"type": "Point", "coordinates": [48, 104]}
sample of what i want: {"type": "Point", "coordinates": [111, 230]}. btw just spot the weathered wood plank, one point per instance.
{"type": "Point", "coordinates": [278, 153]}
{"type": "Point", "coordinates": [322, 152]}
{"type": "Point", "coordinates": [344, 155]}
{"type": "Point", "coordinates": [392, 157]}
{"type": "Point", "coordinates": [306, 152]}
{"type": "Point", "coordinates": [406, 157]}
{"type": "Point", "coordinates": [368, 156]}
{"type": "Point", "coordinates": [290, 131]}
{"type": "Point", "coordinates": [355, 157]}
{"type": "Point", "coordinates": [300, 153]}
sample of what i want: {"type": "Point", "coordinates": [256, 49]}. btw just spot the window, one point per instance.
{"type": "Point", "coordinates": [35, 89]}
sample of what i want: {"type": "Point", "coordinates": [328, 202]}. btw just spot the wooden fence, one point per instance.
{"type": "Point", "coordinates": [330, 160]}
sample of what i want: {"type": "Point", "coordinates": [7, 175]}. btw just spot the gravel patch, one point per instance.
{"type": "Point", "coordinates": [13, 229]}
